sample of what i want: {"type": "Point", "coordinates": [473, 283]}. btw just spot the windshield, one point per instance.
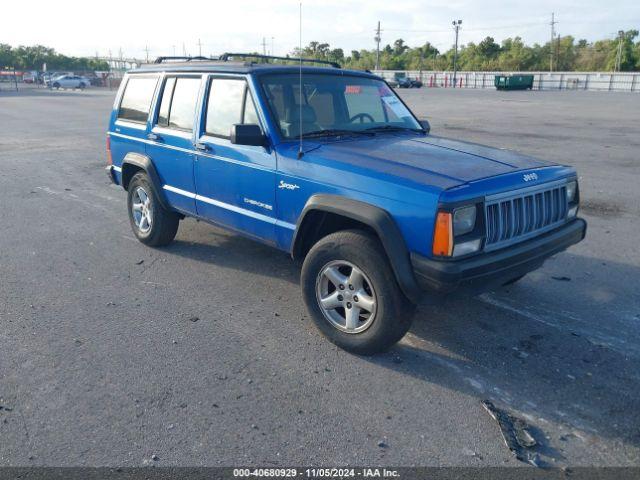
{"type": "Point", "coordinates": [333, 104]}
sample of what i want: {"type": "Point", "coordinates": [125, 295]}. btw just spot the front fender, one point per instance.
{"type": "Point", "coordinates": [381, 222]}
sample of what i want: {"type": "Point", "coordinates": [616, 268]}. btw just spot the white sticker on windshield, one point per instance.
{"type": "Point", "coordinates": [396, 106]}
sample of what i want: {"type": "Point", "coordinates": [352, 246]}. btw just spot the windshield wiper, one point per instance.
{"type": "Point", "coordinates": [393, 128]}
{"type": "Point", "coordinates": [335, 132]}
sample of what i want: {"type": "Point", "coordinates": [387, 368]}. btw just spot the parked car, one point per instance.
{"type": "Point", "coordinates": [409, 83]}
{"type": "Point", "coordinates": [49, 77]}
{"type": "Point", "coordinates": [403, 81]}
{"type": "Point", "coordinates": [343, 176]}
{"type": "Point", "coordinates": [30, 77]}
{"type": "Point", "coordinates": [70, 81]}
{"type": "Point", "coordinates": [392, 82]}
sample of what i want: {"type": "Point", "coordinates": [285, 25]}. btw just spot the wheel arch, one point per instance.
{"type": "Point", "coordinates": [135, 162]}
{"type": "Point", "coordinates": [324, 214]}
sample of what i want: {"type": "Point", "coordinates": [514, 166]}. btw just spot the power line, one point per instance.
{"type": "Point", "coordinates": [476, 29]}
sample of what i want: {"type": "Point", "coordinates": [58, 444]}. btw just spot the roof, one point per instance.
{"type": "Point", "coordinates": [245, 68]}
{"type": "Point", "coordinates": [225, 65]}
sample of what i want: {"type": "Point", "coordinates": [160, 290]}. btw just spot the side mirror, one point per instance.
{"type": "Point", "coordinates": [425, 125]}
{"type": "Point", "coordinates": [247, 134]}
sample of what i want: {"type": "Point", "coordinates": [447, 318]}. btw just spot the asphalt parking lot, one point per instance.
{"type": "Point", "coordinates": [202, 353]}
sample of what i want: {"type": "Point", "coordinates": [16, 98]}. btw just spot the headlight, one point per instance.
{"type": "Point", "coordinates": [464, 220]}
{"type": "Point", "coordinates": [572, 187]}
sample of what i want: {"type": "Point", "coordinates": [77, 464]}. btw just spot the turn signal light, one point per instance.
{"type": "Point", "coordinates": [443, 235]}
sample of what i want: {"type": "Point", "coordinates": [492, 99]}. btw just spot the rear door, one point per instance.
{"type": "Point", "coordinates": [170, 141]}
{"type": "Point", "coordinates": [235, 184]}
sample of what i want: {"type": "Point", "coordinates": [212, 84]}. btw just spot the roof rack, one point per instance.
{"type": "Point", "coordinates": [225, 58]}
{"type": "Point", "coordinates": [181, 59]}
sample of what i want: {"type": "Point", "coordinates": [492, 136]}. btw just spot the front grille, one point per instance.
{"type": "Point", "coordinates": [516, 216]}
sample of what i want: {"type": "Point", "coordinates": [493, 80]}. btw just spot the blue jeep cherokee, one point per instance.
{"type": "Point", "coordinates": [331, 166]}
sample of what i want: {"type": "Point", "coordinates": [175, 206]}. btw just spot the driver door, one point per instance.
{"type": "Point", "coordinates": [235, 184]}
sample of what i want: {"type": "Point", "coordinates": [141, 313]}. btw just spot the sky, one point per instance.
{"type": "Point", "coordinates": [163, 28]}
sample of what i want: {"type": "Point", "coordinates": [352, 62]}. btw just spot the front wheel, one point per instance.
{"type": "Point", "coordinates": [352, 294]}
{"type": "Point", "coordinates": [151, 223]}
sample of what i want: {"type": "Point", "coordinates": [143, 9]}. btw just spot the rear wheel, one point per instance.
{"type": "Point", "coordinates": [151, 223]}
{"type": "Point", "coordinates": [352, 294]}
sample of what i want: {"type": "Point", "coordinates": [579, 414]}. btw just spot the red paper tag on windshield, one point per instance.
{"type": "Point", "coordinates": [353, 89]}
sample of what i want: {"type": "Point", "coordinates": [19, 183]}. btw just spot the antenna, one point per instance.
{"type": "Point", "coordinates": [300, 152]}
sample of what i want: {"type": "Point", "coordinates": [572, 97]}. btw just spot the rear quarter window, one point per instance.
{"type": "Point", "coordinates": [137, 97]}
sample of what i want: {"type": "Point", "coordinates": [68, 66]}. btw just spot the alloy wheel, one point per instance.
{"type": "Point", "coordinates": [141, 209]}
{"type": "Point", "coordinates": [346, 296]}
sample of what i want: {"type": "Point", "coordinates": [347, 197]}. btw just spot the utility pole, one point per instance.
{"type": "Point", "coordinates": [558, 58]}
{"type": "Point", "coordinates": [553, 34]}
{"type": "Point", "coordinates": [618, 65]}
{"type": "Point", "coordinates": [174, 50]}
{"type": "Point", "coordinates": [272, 38]}
{"type": "Point", "coordinates": [146, 51]}
{"type": "Point", "coordinates": [456, 26]}
{"type": "Point", "coordinates": [199, 48]}
{"type": "Point", "coordinates": [377, 39]}
{"type": "Point", "coordinates": [264, 46]}
{"type": "Point", "coordinates": [184, 50]}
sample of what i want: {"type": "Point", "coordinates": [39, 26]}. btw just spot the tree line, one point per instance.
{"type": "Point", "coordinates": [512, 54]}
{"type": "Point", "coordinates": [32, 58]}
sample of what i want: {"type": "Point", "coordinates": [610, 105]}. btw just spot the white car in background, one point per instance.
{"type": "Point", "coordinates": [70, 81]}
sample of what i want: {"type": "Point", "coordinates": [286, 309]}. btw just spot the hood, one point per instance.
{"type": "Point", "coordinates": [428, 160]}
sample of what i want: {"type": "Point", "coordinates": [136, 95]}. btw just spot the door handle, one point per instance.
{"type": "Point", "coordinates": [154, 136]}
{"type": "Point", "coordinates": [203, 147]}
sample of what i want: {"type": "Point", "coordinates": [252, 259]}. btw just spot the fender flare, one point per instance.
{"type": "Point", "coordinates": [142, 161]}
{"type": "Point", "coordinates": [382, 223]}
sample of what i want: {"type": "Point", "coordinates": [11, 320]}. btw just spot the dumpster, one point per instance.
{"type": "Point", "coordinates": [513, 82]}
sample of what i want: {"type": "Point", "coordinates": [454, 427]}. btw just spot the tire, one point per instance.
{"type": "Point", "coordinates": [356, 256]}
{"type": "Point", "coordinates": [56, 85]}
{"type": "Point", "coordinates": [161, 225]}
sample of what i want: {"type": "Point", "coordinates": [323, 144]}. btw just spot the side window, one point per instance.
{"type": "Point", "coordinates": [250, 114]}
{"type": "Point", "coordinates": [136, 99]}
{"type": "Point", "coordinates": [183, 104]}
{"type": "Point", "coordinates": [165, 104]}
{"type": "Point", "coordinates": [225, 106]}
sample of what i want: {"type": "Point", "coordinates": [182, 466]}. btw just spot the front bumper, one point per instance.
{"type": "Point", "coordinates": [485, 271]}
